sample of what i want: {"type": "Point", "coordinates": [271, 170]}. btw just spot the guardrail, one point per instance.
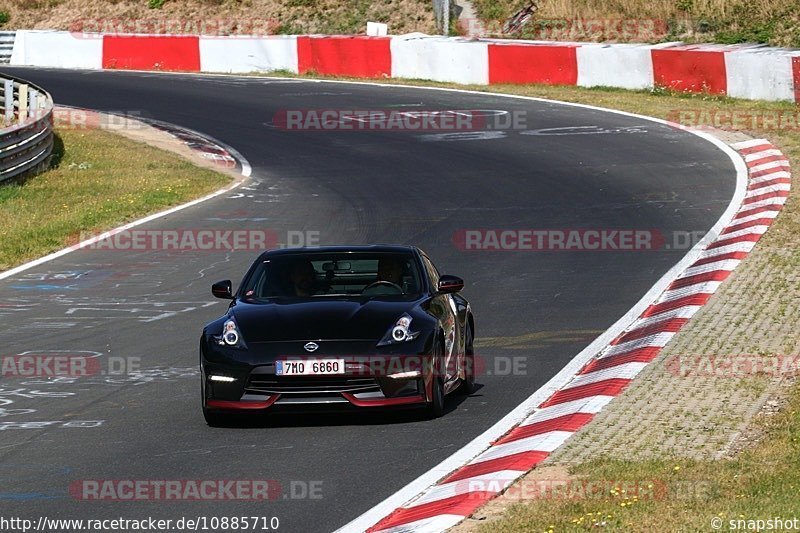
{"type": "Point", "coordinates": [26, 138]}
{"type": "Point", "coordinates": [7, 39]}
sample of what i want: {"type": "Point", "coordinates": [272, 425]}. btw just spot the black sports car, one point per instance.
{"type": "Point", "coordinates": [364, 326]}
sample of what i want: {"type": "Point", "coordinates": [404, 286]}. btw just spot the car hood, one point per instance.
{"type": "Point", "coordinates": [318, 319]}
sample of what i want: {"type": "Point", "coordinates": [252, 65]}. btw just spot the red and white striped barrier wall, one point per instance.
{"type": "Point", "coordinates": [743, 71]}
{"type": "Point", "coordinates": [691, 68]}
{"type": "Point", "coordinates": [151, 52]}
{"type": "Point", "coordinates": [337, 55]}
{"type": "Point", "coordinates": [57, 49]}
{"type": "Point", "coordinates": [519, 62]}
{"type": "Point", "coordinates": [608, 373]}
{"type": "Point", "coordinates": [440, 59]}
{"type": "Point", "coordinates": [628, 66]}
{"type": "Point", "coordinates": [248, 54]}
{"type": "Point", "coordinates": [764, 74]}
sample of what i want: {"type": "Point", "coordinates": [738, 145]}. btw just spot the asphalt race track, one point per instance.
{"type": "Point", "coordinates": [604, 171]}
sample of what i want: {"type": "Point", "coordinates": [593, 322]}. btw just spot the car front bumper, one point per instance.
{"type": "Point", "coordinates": [391, 376]}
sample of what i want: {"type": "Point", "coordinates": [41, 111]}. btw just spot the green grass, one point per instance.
{"type": "Point", "coordinates": [100, 180]}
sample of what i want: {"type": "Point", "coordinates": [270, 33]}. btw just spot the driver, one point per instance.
{"type": "Point", "coordinates": [390, 269]}
{"type": "Point", "coordinates": [303, 278]}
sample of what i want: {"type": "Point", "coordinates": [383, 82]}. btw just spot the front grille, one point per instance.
{"type": "Point", "coordinates": [270, 384]}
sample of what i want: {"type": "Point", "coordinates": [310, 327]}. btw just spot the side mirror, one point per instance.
{"type": "Point", "coordinates": [450, 284]}
{"type": "Point", "coordinates": [223, 289]}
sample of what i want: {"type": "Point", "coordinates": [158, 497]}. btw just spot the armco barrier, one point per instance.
{"type": "Point", "coordinates": [743, 71]}
{"type": "Point", "coordinates": [26, 141]}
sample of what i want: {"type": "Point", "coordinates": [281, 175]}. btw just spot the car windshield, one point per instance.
{"type": "Point", "coordinates": [338, 274]}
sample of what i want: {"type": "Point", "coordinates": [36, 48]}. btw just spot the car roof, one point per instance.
{"type": "Point", "coordinates": [387, 248]}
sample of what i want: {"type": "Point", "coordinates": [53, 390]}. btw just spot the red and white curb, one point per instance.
{"type": "Point", "coordinates": [608, 373]}
{"type": "Point", "coordinates": [202, 144]}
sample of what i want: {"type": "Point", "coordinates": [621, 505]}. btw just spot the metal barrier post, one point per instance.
{"type": "Point", "coordinates": [23, 102]}
{"type": "Point", "coordinates": [9, 100]}
{"type": "Point", "coordinates": [33, 99]}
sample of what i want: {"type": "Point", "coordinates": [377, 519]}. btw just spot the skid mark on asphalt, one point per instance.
{"type": "Point", "coordinates": [463, 136]}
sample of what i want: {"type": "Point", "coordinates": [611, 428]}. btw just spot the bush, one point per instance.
{"type": "Point", "coordinates": [156, 4]}
{"type": "Point", "coordinates": [4, 17]}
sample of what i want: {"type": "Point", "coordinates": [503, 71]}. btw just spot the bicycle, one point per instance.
{"type": "Point", "coordinates": [522, 17]}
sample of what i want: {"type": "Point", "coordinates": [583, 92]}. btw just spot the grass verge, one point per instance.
{"type": "Point", "coordinates": [98, 180]}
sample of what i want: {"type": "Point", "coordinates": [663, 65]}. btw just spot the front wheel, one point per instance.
{"type": "Point", "coordinates": [435, 407]}
{"type": "Point", "coordinates": [467, 386]}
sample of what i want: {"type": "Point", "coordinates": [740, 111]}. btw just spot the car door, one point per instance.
{"type": "Point", "coordinates": [443, 306]}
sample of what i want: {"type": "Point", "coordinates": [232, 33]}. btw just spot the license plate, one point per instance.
{"type": "Point", "coordinates": [309, 367]}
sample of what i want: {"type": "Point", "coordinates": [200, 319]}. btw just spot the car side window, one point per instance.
{"type": "Point", "coordinates": [433, 274]}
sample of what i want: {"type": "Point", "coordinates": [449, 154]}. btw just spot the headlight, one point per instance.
{"type": "Point", "coordinates": [399, 332]}
{"type": "Point", "coordinates": [230, 335]}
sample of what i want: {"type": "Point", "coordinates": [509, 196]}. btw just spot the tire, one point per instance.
{"type": "Point", "coordinates": [467, 386]}
{"type": "Point", "coordinates": [435, 408]}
